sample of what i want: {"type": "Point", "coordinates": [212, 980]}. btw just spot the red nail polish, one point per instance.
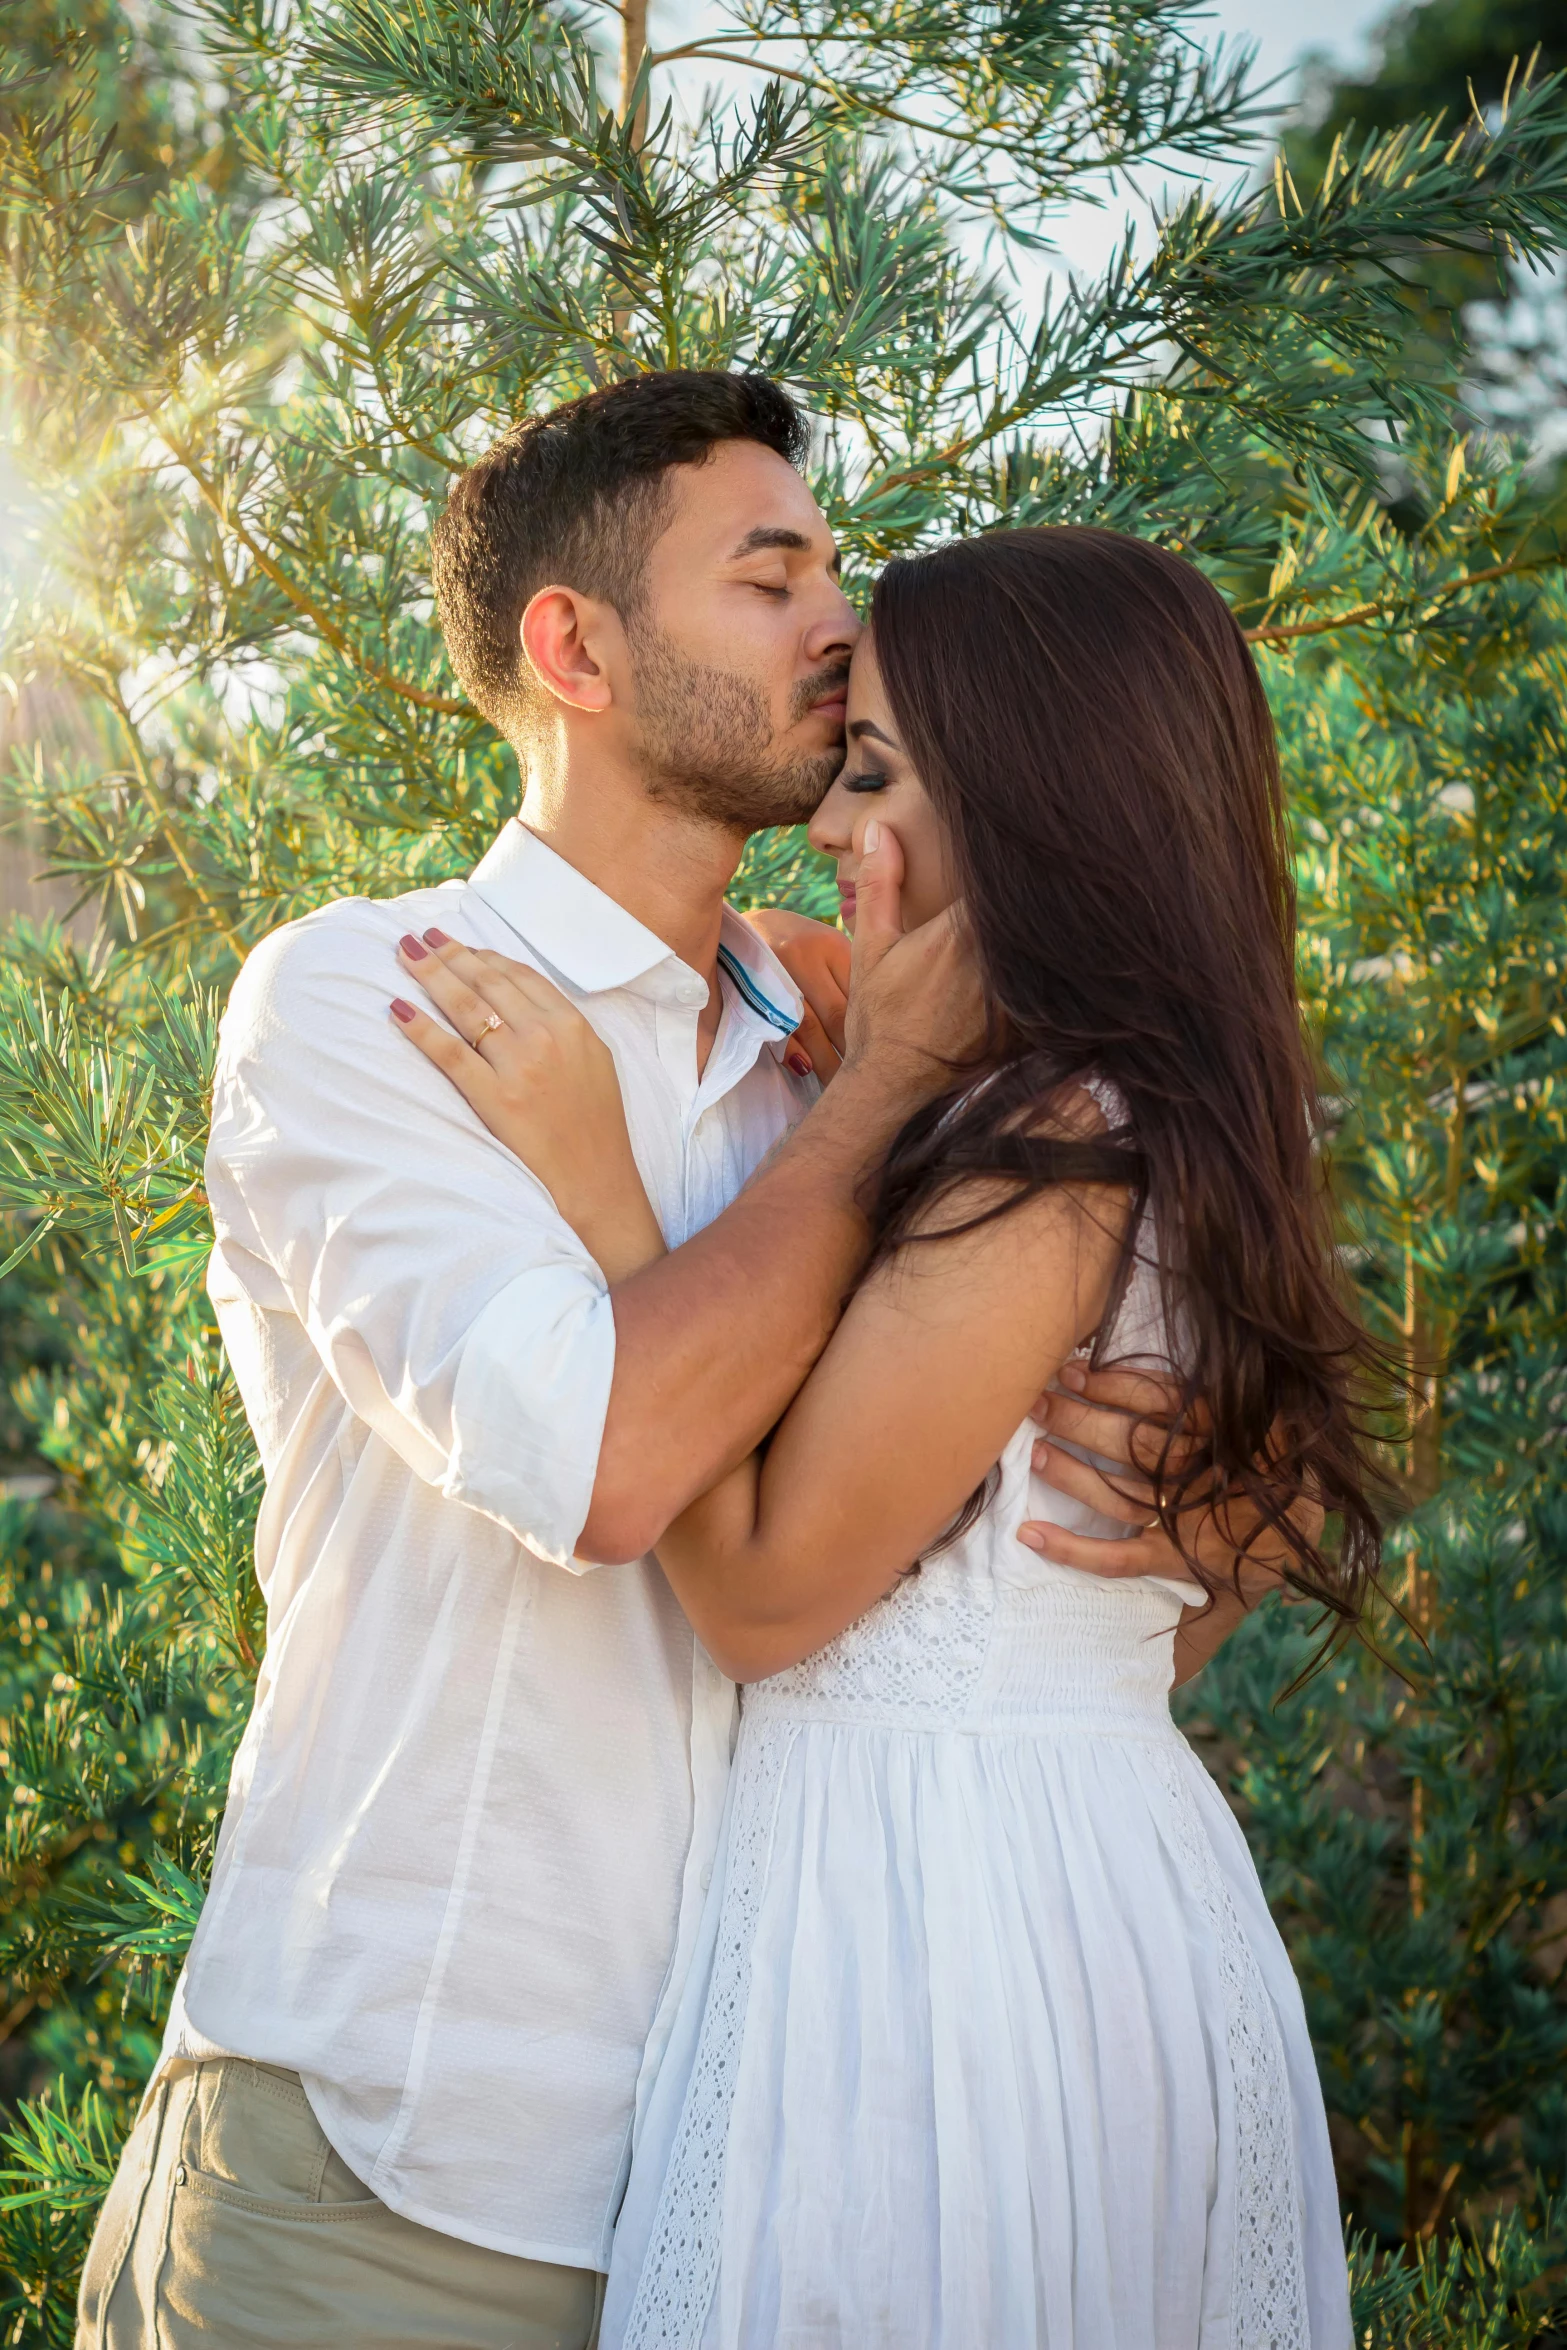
{"type": "Point", "coordinates": [411, 947]}
{"type": "Point", "coordinates": [798, 1063]}
{"type": "Point", "coordinates": [400, 1010]}
{"type": "Point", "coordinates": [436, 938]}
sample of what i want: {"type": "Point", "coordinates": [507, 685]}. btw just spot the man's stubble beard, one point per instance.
{"type": "Point", "coordinates": [708, 745]}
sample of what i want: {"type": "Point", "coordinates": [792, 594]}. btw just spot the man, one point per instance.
{"type": "Point", "coordinates": [473, 1816]}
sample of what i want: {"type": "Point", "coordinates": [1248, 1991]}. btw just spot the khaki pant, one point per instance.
{"type": "Point", "coordinates": [232, 2224]}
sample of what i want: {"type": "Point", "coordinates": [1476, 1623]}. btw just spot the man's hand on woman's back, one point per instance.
{"type": "Point", "coordinates": [1120, 1416]}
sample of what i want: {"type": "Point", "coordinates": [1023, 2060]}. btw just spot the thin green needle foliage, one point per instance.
{"type": "Point", "coordinates": [1407, 1806]}
{"type": "Point", "coordinates": [242, 356]}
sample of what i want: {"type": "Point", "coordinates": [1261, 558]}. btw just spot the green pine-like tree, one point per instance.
{"type": "Point", "coordinates": [1429, 56]}
{"type": "Point", "coordinates": [1453, 59]}
{"type": "Point", "coordinates": [1409, 1821]}
{"type": "Point", "coordinates": [235, 399]}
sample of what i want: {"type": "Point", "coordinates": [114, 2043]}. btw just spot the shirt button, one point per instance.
{"type": "Point", "coordinates": [179, 2175]}
{"type": "Point", "coordinates": [707, 1876]}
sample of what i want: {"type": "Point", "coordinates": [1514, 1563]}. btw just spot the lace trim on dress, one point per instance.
{"type": "Point", "coordinates": [920, 1651]}
{"type": "Point", "coordinates": [681, 2264]}
{"type": "Point", "coordinates": [1270, 2261]}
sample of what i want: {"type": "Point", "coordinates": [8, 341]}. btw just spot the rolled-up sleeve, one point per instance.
{"type": "Point", "coordinates": [452, 1305]}
{"type": "Point", "coordinates": [526, 1434]}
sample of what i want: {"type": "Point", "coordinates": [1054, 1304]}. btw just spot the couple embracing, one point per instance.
{"type": "Point", "coordinates": [632, 1301]}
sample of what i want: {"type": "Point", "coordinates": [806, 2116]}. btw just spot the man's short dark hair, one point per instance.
{"type": "Point", "coordinates": [577, 498]}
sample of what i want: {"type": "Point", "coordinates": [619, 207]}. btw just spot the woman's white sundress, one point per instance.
{"type": "Point", "coordinates": [990, 2042]}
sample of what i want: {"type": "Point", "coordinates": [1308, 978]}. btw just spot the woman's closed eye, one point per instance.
{"type": "Point", "coordinates": [869, 779]}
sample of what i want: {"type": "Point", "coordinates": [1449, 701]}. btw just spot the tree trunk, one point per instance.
{"type": "Point", "coordinates": [633, 42]}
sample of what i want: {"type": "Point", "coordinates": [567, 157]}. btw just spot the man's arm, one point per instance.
{"type": "Point", "coordinates": [922, 1386]}
{"type": "Point", "coordinates": [461, 1318]}
{"type": "Point", "coordinates": [713, 1339]}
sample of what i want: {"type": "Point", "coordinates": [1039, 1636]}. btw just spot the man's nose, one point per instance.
{"type": "Point", "coordinates": [838, 630]}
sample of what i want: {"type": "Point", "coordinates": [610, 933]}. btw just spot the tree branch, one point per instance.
{"type": "Point", "coordinates": [306, 605]}
{"type": "Point", "coordinates": [633, 48]}
{"type": "Point", "coordinates": [1358, 614]}
{"type": "Point", "coordinates": [806, 81]}
{"type": "Point", "coordinates": [168, 823]}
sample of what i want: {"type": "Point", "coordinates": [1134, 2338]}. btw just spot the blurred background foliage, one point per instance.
{"type": "Point", "coordinates": [331, 248]}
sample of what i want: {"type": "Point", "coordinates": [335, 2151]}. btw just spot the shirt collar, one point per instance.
{"type": "Point", "coordinates": [759, 980]}
{"type": "Point", "coordinates": [590, 939]}
{"type": "Point", "coordinates": [581, 932]}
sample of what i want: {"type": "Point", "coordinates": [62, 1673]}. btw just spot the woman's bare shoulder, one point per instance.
{"type": "Point", "coordinates": [1076, 1112]}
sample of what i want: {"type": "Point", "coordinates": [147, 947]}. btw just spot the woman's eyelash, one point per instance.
{"type": "Point", "coordinates": [871, 779]}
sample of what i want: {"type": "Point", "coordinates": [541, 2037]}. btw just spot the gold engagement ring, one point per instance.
{"type": "Point", "coordinates": [494, 1021]}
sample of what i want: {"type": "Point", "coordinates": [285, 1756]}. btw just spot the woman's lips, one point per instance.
{"type": "Point", "coordinates": [846, 900]}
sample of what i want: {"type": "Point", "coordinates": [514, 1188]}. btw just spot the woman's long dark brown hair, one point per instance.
{"type": "Point", "coordinates": [1088, 722]}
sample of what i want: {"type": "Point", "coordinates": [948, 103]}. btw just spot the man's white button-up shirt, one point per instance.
{"type": "Point", "coordinates": [461, 1867]}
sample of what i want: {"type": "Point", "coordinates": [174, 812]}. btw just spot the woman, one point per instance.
{"type": "Point", "coordinates": [991, 2041]}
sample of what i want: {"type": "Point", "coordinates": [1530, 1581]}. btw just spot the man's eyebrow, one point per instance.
{"type": "Point", "coordinates": [865, 726]}
{"type": "Point", "coordinates": [772, 534]}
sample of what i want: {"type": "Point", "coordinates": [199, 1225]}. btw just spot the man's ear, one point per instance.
{"type": "Point", "coordinates": [570, 642]}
